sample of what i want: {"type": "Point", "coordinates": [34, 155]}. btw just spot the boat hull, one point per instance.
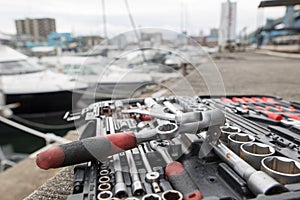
{"type": "Point", "coordinates": [43, 102]}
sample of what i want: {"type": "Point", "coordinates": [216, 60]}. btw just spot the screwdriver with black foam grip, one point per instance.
{"type": "Point", "coordinates": [88, 149]}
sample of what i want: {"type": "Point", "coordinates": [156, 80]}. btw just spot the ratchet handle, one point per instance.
{"type": "Point", "coordinates": [182, 181]}
{"type": "Point", "coordinates": [95, 148]}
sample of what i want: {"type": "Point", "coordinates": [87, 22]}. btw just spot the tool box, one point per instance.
{"type": "Point", "coordinates": [238, 147]}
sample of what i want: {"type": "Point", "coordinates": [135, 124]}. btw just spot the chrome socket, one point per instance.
{"type": "Point", "coordinates": [104, 187]}
{"type": "Point", "coordinates": [254, 152]}
{"type": "Point", "coordinates": [258, 181]}
{"type": "Point", "coordinates": [172, 195]}
{"type": "Point", "coordinates": [261, 183]}
{"type": "Point", "coordinates": [137, 188]}
{"type": "Point", "coordinates": [284, 170]}
{"type": "Point", "coordinates": [104, 179]}
{"type": "Point", "coordinates": [104, 172]}
{"type": "Point", "coordinates": [152, 177]}
{"type": "Point", "coordinates": [151, 197]}
{"type": "Point", "coordinates": [104, 195]}
{"type": "Point", "coordinates": [121, 190]}
{"type": "Point", "coordinates": [103, 167]}
{"type": "Point", "coordinates": [236, 140]}
{"type": "Point", "coordinates": [228, 130]}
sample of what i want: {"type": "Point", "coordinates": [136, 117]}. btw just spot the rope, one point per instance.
{"type": "Point", "coordinates": [48, 137]}
{"type": "Point", "coordinates": [40, 125]}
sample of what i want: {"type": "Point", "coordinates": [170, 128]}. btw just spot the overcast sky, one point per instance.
{"type": "Point", "coordinates": [85, 16]}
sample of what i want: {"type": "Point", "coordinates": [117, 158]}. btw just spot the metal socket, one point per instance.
{"type": "Point", "coordinates": [104, 195]}
{"type": "Point", "coordinates": [152, 177]}
{"type": "Point", "coordinates": [137, 188]}
{"type": "Point", "coordinates": [104, 187]}
{"type": "Point", "coordinates": [167, 131]}
{"type": "Point", "coordinates": [104, 179]}
{"type": "Point", "coordinates": [121, 190]}
{"type": "Point", "coordinates": [172, 195]}
{"type": "Point", "coordinates": [228, 130]}
{"type": "Point", "coordinates": [261, 183]}
{"type": "Point", "coordinates": [258, 181]}
{"type": "Point", "coordinates": [151, 197]}
{"type": "Point", "coordinates": [103, 167]}
{"type": "Point", "coordinates": [104, 172]}
{"type": "Point", "coordinates": [254, 152]}
{"type": "Point", "coordinates": [284, 170]}
{"type": "Point", "coordinates": [236, 140]}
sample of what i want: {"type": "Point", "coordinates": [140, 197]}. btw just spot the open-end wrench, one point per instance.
{"type": "Point", "coordinates": [176, 173]}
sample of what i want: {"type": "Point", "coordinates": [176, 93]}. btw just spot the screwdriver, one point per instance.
{"type": "Point", "coordinates": [270, 115]}
{"type": "Point", "coordinates": [85, 150]}
{"type": "Point", "coordinates": [287, 115]}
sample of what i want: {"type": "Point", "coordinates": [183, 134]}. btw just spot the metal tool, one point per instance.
{"type": "Point", "coordinates": [104, 179]}
{"type": "Point", "coordinates": [254, 152]}
{"type": "Point", "coordinates": [151, 197]}
{"type": "Point", "coordinates": [120, 188]}
{"type": "Point", "coordinates": [228, 130]}
{"type": "Point", "coordinates": [104, 172]}
{"type": "Point", "coordinates": [104, 187]}
{"type": "Point", "coordinates": [236, 140]}
{"type": "Point", "coordinates": [101, 147]}
{"type": "Point", "coordinates": [258, 181]}
{"type": "Point", "coordinates": [171, 195]}
{"type": "Point", "coordinates": [176, 173]}
{"type": "Point", "coordinates": [155, 110]}
{"type": "Point", "coordinates": [283, 169]}
{"type": "Point", "coordinates": [212, 119]}
{"type": "Point", "coordinates": [152, 177]}
{"type": "Point", "coordinates": [137, 187]}
{"type": "Point", "coordinates": [105, 195]}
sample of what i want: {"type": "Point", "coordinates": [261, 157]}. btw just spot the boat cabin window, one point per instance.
{"type": "Point", "coordinates": [19, 67]}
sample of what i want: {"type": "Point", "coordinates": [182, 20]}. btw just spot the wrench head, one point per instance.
{"type": "Point", "coordinates": [163, 144]}
{"type": "Point", "coordinates": [167, 131]}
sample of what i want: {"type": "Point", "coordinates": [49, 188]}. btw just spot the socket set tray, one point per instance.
{"type": "Point", "coordinates": [238, 147]}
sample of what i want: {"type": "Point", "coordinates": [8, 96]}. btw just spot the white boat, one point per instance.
{"type": "Point", "coordinates": [106, 81]}
{"type": "Point", "coordinates": [37, 89]}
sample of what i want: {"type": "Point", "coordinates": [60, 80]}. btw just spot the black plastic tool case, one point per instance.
{"type": "Point", "coordinates": [214, 178]}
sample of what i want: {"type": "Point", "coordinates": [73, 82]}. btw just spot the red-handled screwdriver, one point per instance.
{"type": "Point", "coordinates": [270, 115]}
{"type": "Point", "coordinates": [85, 150]}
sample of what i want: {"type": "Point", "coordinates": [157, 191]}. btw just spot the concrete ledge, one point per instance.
{"type": "Point", "coordinates": [21, 180]}
{"type": "Point", "coordinates": [58, 187]}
